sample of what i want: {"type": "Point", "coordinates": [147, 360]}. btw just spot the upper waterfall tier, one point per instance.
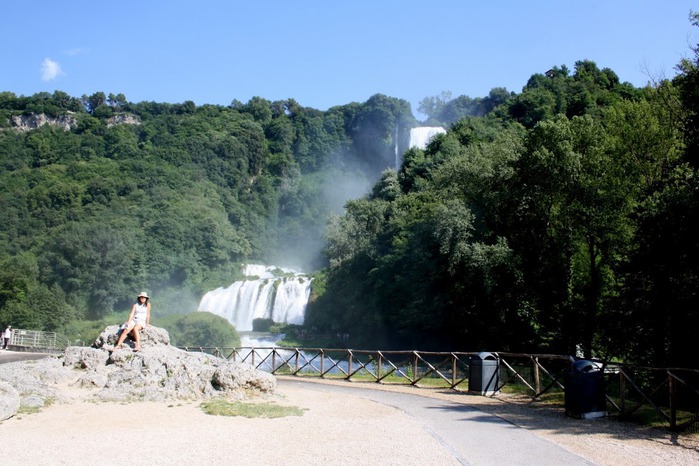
{"type": "Point", "coordinates": [264, 295]}
{"type": "Point", "coordinates": [421, 136]}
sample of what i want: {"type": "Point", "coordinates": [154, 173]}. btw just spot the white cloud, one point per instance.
{"type": "Point", "coordinates": [50, 70]}
{"type": "Point", "coordinates": [75, 51]}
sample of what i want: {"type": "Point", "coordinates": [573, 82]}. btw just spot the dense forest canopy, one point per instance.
{"type": "Point", "coordinates": [170, 197]}
{"type": "Point", "coordinates": [560, 218]}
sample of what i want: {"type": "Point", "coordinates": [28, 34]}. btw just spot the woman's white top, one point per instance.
{"type": "Point", "coordinates": [140, 314]}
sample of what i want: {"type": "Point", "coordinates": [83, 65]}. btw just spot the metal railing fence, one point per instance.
{"type": "Point", "coordinates": [37, 340]}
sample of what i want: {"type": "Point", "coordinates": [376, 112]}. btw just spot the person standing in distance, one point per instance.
{"type": "Point", "coordinates": [7, 334]}
{"type": "Point", "coordinates": [137, 320]}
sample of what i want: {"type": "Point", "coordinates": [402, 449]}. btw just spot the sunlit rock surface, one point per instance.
{"type": "Point", "coordinates": [158, 372]}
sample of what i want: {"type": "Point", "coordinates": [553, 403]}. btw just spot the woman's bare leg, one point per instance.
{"type": "Point", "coordinates": [137, 337]}
{"type": "Point", "coordinates": [122, 337]}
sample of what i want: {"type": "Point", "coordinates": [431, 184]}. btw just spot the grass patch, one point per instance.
{"type": "Point", "coordinates": [646, 414]}
{"type": "Point", "coordinates": [221, 407]}
{"type": "Point", "coordinates": [29, 409]}
{"type": "Point", "coordinates": [23, 409]}
{"type": "Point", "coordinates": [433, 382]}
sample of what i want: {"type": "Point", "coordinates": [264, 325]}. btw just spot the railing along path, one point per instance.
{"type": "Point", "coordinates": [669, 394]}
{"type": "Point", "coordinates": [36, 339]}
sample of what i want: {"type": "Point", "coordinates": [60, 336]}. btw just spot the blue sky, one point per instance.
{"type": "Point", "coordinates": [323, 52]}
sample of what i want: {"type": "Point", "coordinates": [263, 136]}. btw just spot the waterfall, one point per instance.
{"type": "Point", "coordinates": [261, 296]}
{"type": "Point", "coordinates": [421, 136]}
{"type": "Point", "coordinates": [396, 154]}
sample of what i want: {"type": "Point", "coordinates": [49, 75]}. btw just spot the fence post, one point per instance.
{"type": "Point", "coordinates": [673, 401]}
{"type": "Point", "coordinates": [349, 365]}
{"type": "Point", "coordinates": [274, 360]}
{"type": "Point", "coordinates": [622, 392]}
{"type": "Point", "coordinates": [322, 362]}
{"type": "Point", "coordinates": [453, 370]}
{"type": "Point", "coordinates": [378, 368]}
{"type": "Point", "coordinates": [537, 376]}
{"type": "Point", "coordinates": [414, 367]}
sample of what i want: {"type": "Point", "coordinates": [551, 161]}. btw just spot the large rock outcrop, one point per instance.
{"type": "Point", "coordinates": [67, 122]}
{"type": "Point", "coordinates": [158, 372]}
{"type": "Point", "coordinates": [9, 401]}
{"type": "Point", "coordinates": [37, 120]}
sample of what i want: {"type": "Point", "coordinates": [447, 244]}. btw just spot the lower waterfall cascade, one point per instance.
{"type": "Point", "coordinates": [269, 293]}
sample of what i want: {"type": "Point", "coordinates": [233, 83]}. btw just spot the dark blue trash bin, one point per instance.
{"type": "Point", "coordinates": [484, 373]}
{"type": "Point", "coordinates": [584, 390]}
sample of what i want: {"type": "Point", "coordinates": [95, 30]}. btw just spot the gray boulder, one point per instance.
{"type": "Point", "coordinates": [80, 357]}
{"type": "Point", "coordinates": [9, 401]}
{"type": "Point", "coordinates": [150, 336]}
{"type": "Point", "coordinates": [158, 372]}
{"type": "Point", "coordinates": [236, 376]}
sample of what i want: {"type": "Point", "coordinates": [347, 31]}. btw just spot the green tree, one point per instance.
{"type": "Point", "coordinates": [434, 106]}
{"type": "Point", "coordinates": [96, 263]}
{"type": "Point", "coordinates": [116, 102]}
{"type": "Point", "coordinates": [662, 273]}
{"type": "Point", "coordinates": [202, 329]}
{"type": "Point", "coordinates": [94, 102]}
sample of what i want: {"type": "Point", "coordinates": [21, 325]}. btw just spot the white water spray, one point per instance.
{"type": "Point", "coordinates": [396, 154]}
{"type": "Point", "coordinates": [422, 135]}
{"type": "Point", "coordinates": [265, 295]}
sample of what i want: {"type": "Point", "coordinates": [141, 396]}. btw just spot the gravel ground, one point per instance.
{"type": "Point", "coordinates": [334, 429]}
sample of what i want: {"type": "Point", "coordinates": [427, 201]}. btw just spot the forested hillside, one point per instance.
{"type": "Point", "coordinates": [558, 219]}
{"type": "Point", "coordinates": [562, 221]}
{"type": "Point", "coordinates": [170, 198]}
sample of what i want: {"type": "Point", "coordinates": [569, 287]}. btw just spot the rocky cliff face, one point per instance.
{"type": "Point", "coordinates": [122, 119]}
{"type": "Point", "coordinates": [158, 372]}
{"type": "Point", "coordinates": [34, 121]}
{"type": "Point", "coordinates": [66, 122]}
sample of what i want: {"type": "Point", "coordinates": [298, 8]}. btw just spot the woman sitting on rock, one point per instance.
{"type": "Point", "coordinates": [138, 319]}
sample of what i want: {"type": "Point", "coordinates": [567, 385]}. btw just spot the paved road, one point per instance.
{"type": "Point", "coordinates": [13, 356]}
{"type": "Point", "coordinates": [472, 436]}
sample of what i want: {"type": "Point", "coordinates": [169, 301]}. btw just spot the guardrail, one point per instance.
{"type": "Point", "coordinates": [27, 340]}
{"type": "Point", "coordinates": [661, 396]}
